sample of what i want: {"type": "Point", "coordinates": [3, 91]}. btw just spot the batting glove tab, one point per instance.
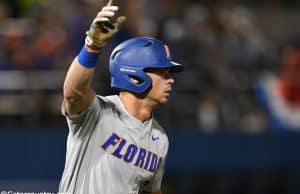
{"type": "Point", "coordinates": [103, 27]}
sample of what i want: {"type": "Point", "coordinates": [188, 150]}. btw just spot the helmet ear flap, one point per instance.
{"type": "Point", "coordinates": [137, 82]}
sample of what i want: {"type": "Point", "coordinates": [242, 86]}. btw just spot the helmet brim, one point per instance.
{"type": "Point", "coordinates": [172, 66]}
{"type": "Point", "coordinates": [175, 67]}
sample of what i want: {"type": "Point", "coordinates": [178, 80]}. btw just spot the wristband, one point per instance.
{"type": "Point", "coordinates": [87, 59]}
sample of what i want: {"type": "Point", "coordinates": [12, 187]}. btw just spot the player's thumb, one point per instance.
{"type": "Point", "coordinates": [119, 21]}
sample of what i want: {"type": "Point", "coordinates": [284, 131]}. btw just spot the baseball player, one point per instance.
{"type": "Point", "coordinates": [114, 144]}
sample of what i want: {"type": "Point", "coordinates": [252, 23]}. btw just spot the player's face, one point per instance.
{"type": "Point", "coordinates": [162, 82]}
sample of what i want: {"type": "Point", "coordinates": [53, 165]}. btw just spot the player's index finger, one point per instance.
{"type": "Point", "coordinates": [110, 2]}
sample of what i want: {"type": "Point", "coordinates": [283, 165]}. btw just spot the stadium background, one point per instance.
{"type": "Point", "coordinates": [220, 138]}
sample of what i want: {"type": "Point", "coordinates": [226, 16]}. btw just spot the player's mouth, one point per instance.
{"type": "Point", "coordinates": [167, 92]}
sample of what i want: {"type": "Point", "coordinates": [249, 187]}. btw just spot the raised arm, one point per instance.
{"type": "Point", "coordinates": [78, 93]}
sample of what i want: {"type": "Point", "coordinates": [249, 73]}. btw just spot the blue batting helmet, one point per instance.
{"type": "Point", "coordinates": [131, 58]}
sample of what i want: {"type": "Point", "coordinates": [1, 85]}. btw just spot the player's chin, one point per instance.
{"type": "Point", "coordinates": [163, 100]}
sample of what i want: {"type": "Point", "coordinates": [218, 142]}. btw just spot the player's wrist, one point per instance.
{"type": "Point", "coordinates": [93, 44]}
{"type": "Point", "coordinates": [87, 57]}
{"type": "Point", "coordinates": [92, 49]}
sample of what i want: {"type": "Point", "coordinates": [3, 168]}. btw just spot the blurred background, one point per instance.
{"type": "Point", "coordinates": [234, 115]}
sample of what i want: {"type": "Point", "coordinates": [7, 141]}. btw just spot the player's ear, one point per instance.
{"type": "Point", "coordinates": [135, 80]}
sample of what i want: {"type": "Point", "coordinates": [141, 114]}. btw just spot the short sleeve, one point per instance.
{"type": "Point", "coordinates": [86, 121]}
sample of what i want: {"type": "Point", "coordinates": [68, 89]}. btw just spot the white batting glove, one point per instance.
{"type": "Point", "coordinates": [102, 27]}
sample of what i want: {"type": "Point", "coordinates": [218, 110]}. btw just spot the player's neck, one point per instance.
{"type": "Point", "coordinates": [140, 108]}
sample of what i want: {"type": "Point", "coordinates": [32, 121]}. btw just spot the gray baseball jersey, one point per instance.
{"type": "Point", "coordinates": [111, 152]}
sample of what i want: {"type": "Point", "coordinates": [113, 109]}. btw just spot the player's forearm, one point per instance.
{"type": "Point", "coordinates": [78, 80]}
{"type": "Point", "coordinates": [77, 87]}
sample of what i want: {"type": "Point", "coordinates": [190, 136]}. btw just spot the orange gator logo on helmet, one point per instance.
{"type": "Point", "coordinates": [167, 51]}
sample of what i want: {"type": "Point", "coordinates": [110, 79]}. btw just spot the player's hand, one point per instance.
{"type": "Point", "coordinates": [103, 26]}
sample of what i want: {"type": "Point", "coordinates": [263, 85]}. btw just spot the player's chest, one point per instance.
{"type": "Point", "coordinates": [130, 143]}
{"type": "Point", "coordinates": [137, 153]}
{"type": "Point", "coordinates": [125, 151]}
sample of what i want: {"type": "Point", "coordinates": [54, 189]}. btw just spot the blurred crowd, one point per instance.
{"type": "Point", "coordinates": [226, 47]}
